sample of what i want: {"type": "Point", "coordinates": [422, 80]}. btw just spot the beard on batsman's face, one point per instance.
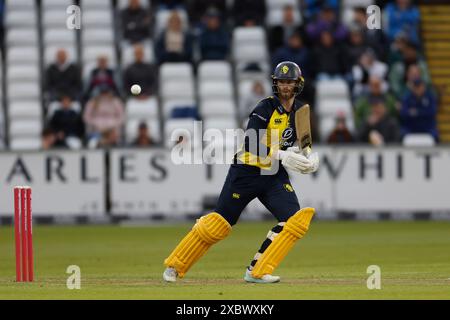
{"type": "Point", "coordinates": [286, 92]}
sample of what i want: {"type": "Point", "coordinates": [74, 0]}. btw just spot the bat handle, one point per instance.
{"type": "Point", "coordinates": [307, 151]}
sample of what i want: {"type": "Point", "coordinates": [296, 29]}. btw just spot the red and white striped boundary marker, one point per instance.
{"type": "Point", "coordinates": [23, 232]}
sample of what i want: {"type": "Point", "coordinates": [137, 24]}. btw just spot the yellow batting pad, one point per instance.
{"type": "Point", "coordinates": [208, 230]}
{"type": "Point", "coordinates": [294, 229]}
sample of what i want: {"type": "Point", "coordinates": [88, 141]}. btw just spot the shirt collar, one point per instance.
{"type": "Point", "coordinates": [280, 107]}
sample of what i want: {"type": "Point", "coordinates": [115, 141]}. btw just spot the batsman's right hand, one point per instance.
{"type": "Point", "coordinates": [295, 161]}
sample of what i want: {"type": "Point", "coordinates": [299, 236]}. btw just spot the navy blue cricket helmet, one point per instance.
{"type": "Point", "coordinates": [288, 70]}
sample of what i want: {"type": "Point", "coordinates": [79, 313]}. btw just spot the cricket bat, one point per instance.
{"type": "Point", "coordinates": [303, 129]}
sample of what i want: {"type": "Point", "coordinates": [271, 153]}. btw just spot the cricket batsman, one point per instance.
{"type": "Point", "coordinates": [251, 176]}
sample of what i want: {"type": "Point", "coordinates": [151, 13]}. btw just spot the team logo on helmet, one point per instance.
{"type": "Point", "coordinates": [285, 69]}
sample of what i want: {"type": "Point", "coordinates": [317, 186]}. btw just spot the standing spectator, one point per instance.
{"type": "Point", "coordinates": [214, 40]}
{"type": "Point", "coordinates": [363, 103]}
{"type": "Point", "coordinates": [143, 138]}
{"type": "Point", "coordinates": [62, 78]}
{"type": "Point", "coordinates": [379, 128]}
{"type": "Point", "coordinates": [280, 35]}
{"type": "Point", "coordinates": [174, 44]}
{"type": "Point", "coordinates": [249, 12]}
{"type": "Point", "coordinates": [367, 67]}
{"type": "Point", "coordinates": [101, 75]}
{"type": "Point", "coordinates": [135, 22]}
{"type": "Point", "coordinates": [418, 112]}
{"type": "Point", "coordinates": [326, 20]}
{"type": "Point", "coordinates": [103, 112]}
{"type": "Point", "coordinates": [402, 16]}
{"type": "Point", "coordinates": [328, 60]}
{"type": "Point", "coordinates": [142, 74]}
{"type": "Point", "coordinates": [293, 51]}
{"type": "Point", "coordinates": [66, 122]}
{"type": "Point", "coordinates": [340, 133]}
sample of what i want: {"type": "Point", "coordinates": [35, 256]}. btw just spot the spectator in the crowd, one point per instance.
{"type": "Point", "coordinates": [249, 12]}
{"type": "Point", "coordinates": [104, 111]}
{"type": "Point", "coordinates": [402, 16]}
{"type": "Point", "coordinates": [368, 66]}
{"type": "Point", "coordinates": [356, 47]}
{"type": "Point", "coordinates": [312, 7]}
{"type": "Point", "coordinates": [326, 20]}
{"type": "Point", "coordinates": [362, 105]}
{"type": "Point", "coordinates": [143, 138]}
{"type": "Point", "coordinates": [328, 58]}
{"type": "Point", "coordinates": [340, 133]}
{"type": "Point", "coordinates": [66, 122]}
{"type": "Point", "coordinates": [214, 39]}
{"type": "Point", "coordinates": [379, 128]}
{"type": "Point", "coordinates": [135, 22]}
{"type": "Point", "coordinates": [62, 78]}
{"type": "Point", "coordinates": [418, 111]}
{"type": "Point", "coordinates": [250, 99]}
{"type": "Point", "coordinates": [396, 49]}
{"type": "Point", "coordinates": [49, 140]}
{"type": "Point", "coordinates": [174, 44]}
{"type": "Point", "coordinates": [398, 75]}
{"type": "Point", "coordinates": [294, 51]}
{"type": "Point", "coordinates": [142, 74]}
{"type": "Point", "coordinates": [168, 4]}
{"type": "Point", "coordinates": [198, 8]}
{"type": "Point", "coordinates": [109, 138]}
{"type": "Point", "coordinates": [280, 35]}
{"type": "Point", "coordinates": [374, 38]}
{"type": "Point", "coordinates": [101, 75]}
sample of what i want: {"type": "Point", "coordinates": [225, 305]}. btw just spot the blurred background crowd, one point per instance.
{"type": "Point", "coordinates": [210, 60]}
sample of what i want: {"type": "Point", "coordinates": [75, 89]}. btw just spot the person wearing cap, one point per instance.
{"type": "Point", "coordinates": [258, 171]}
{"type": "Point", "coordinates": [418, 111]}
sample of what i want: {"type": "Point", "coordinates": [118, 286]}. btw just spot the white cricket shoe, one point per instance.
{"type": "Point", "coordinates": [170, 275]}
{"type": "Point", "coordinates": [267, 278]}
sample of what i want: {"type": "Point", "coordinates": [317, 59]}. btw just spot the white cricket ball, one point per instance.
{"type": "Point", "coordinates": [135, 89]}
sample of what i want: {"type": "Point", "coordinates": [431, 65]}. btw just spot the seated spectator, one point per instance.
{"type": "Point", "coordinates": [143, 138]}
{"type": "Point", "coordinates": [103, 112]}
{"type": "Point", "coordinates": [402, 16]}
{"type": "Point", "coordinates": [311, 8]}
{"type": "Point", "coordinates": [101, 75]}
{"type": "Point", "coordinates": [142, 74]}
{"type": "Point", "coordinates": [66, 122]}
{"type": "Point", "coordinates": [328, 60]}
{"type": "Point", "coordinates": [249, 100]}
{"type": "Point", "coordinates": [362, 105]}
{"type": "Point", "coordinates": [326, 20]}
{"type": "Point", "coordinates": [280, 35]}
{"type": "Point", "coordinates": [249, 12]}
{"type": "Point", "coordinates": [109, 138]}
{"type": "Point", "coordinates": [379, 128]}
{"type": "Point", "coordinates": [418, 111]}
{"type": "Point", "coordinates": [198, 8]}
{"type": "Point", "coordinates": [399, 72]}
{"type": "Point", "coordinates": [368, 66]}
{"type": "Point", "coordinates": [174, 44]}
{"type": "Point", "coordinates": [50, 140]}
{"type": "Point", "coordinates": [214, 40]}
{"type": "Point", "coordinates": [62, 78]}
{"type": "Point", "coordinates": [356, 47]}
{"type": "Point", "coordinates": [293, 51]}
{"type": "Point", "coordinates": [374, 38]}
{"type": "Point", "coordinates": [135, 22]}
{"type": "Point", "coordinates": [340, 133]}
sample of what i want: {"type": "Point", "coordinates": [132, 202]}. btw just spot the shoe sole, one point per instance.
{"type": "Point", "coordinates": [255, 280]}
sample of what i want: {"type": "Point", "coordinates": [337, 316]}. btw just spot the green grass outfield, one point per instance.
{"type": "Point", "coordinates": [329, 263]}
